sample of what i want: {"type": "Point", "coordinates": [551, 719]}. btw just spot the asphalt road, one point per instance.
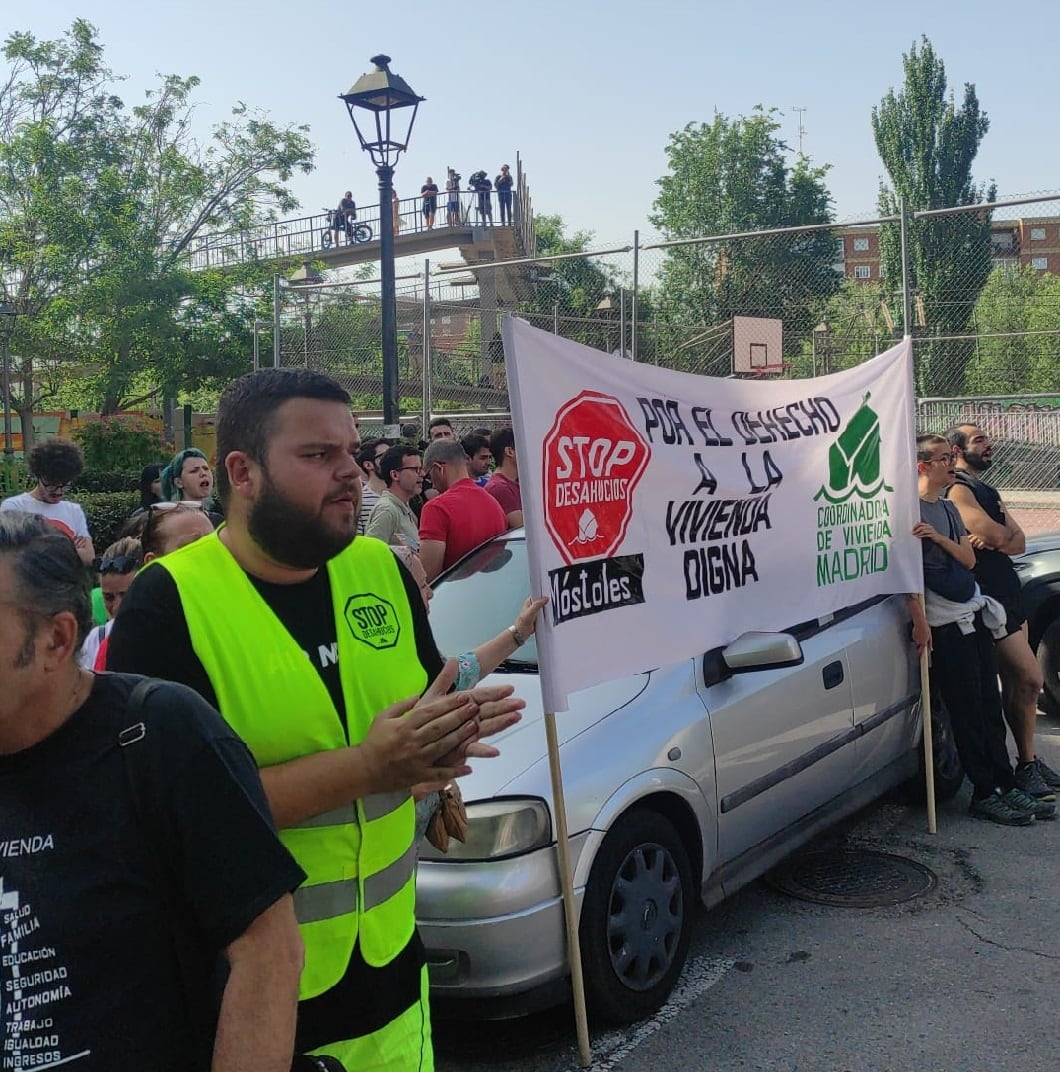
{"type": "Point", "coordinates": [964, 979]}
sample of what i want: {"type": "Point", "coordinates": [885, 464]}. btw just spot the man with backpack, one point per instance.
{"type": "Point", "coordinates": [146, 916]}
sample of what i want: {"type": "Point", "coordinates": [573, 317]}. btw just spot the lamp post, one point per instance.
{"type": "Point", "coordinates": [822, 348]}
{"type": "Point", "coordinates": [302, 277]}
{"type": "Point", "coordinates": [383, 101]}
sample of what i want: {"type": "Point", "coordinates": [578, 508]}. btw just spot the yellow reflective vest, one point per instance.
{"type": "Point", "coordinates": [360, 859]}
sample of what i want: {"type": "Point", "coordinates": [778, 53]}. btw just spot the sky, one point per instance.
{"type": "Point", "coordinates": [587, 92]}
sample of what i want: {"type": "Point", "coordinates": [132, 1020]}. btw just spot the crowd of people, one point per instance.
{"type": "Point", "coordinates": [279, 670]}
{"type": "Point", "coordinates": [288, 928]}
{"type": "Point", "coordinates": [479, 183]}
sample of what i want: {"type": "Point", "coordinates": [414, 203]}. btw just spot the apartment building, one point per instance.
{"type": "Point", "coordinates": [1033, 243]}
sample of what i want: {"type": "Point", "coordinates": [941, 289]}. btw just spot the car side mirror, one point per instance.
{"type": "Point", "coordinates": [751, 651]}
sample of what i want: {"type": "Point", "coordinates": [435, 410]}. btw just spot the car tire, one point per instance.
{"type": "Point", "coordinates": [949, 774]}
{"type": "Point", "coordinates": [636, 918]}
{"type": "Point", "coordinates": [1049, 661]}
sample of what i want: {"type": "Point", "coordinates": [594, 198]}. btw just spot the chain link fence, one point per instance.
{"type": "Point", "coordinates": [978, 287]}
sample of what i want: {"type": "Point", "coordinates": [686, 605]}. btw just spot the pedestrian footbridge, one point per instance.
{"type": "Point", "coordinates": [287, 243]}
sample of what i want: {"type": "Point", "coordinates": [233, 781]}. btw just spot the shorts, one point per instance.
{"type": "Point", "coordinates": [338, 222]}
{"type": "Point", "coordinates": [1014, 616]}
{"type": "Point", "coordinates": [430, 206]}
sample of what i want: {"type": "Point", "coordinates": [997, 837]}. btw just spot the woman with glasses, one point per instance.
{"type": "Point", "coordinates": [117, 568]}
{"type": "Point", "coordinates": [56, 464]}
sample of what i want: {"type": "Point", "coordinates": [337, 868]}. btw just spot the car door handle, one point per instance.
{"type": "Point", "coordinates": [832, 675]}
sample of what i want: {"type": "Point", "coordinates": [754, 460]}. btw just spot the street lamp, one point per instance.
{"type": "Point", "coordinates": [821, 340]}
{"type": "Point", "coordinates": [607, 307]}
{"type": "Point", "coordinates": [383, 101]}
{"type": "Point", "coordinates": [304, 276]}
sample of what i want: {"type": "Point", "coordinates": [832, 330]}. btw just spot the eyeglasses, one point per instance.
{"type": "Point", "coordinates": [162, 507]}
{"type": "Point", "coordinates": [411, 469]}
{"type": "Point", "coordinates": [56, 487]}
{"type": "Point", "coordinates": [120, 564]}
{"type": "Point", "coordinates": [945, 459]}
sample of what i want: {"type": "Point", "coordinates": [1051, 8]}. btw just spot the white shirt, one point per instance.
{"type": "Point", "coordinates": [68, 513]}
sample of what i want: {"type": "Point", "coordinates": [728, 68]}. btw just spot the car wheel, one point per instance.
{"type": "Point", "coordinates": [636, 918]}
{"type": "Point", "coordinates": [949, 774]}
{"type": "Point", "coordinates": [1049, 661]}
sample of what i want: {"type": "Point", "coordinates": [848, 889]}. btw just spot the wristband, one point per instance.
{"type": "Point", "coordinates": [519, 639]}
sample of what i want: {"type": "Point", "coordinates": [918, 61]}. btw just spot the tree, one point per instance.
{"type": "Point", "coordinates": [99, 205]}
{"type": "Point", "coordinates": [1018, 320]}
{"type": "Point", "coordinates": [726, 177]}
{"type": "Point", "coordinates": [928, 146]}
{"type": "Point", "coordinates": [573, 287]}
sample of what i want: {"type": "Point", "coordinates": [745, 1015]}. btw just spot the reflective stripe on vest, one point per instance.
{"type": "Point", "coordinates": [345, 814]}
{"type": "Point", "coordinates": [379, 804]}
{"type": "Point", "coordinates": [314, 903]}
{"type": "Point", "coordinates": [273, 697]}
{"type": "Point", "coordinates": [385, 884]}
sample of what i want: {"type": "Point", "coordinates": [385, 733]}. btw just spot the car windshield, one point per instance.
{"type": "Point", "coordinates": [481, 597]}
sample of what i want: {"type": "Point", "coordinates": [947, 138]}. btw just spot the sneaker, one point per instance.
{"type": "Point", "coordinates": [1049, 776]}
{"type": "Point", "coordinates": [1030, 780]}
{"type": "Point", "coordinates": [1040, 809]}
{"type": "Point", "coordinates": [997, 810]}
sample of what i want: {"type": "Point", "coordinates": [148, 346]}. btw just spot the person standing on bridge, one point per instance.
{"type": "Point", "coordinates": [481, 184]}
{"type": "Point", "coordinates": [429, 193]}
{"type": "Point", "coordinates": [452, 204]}
{"type": "Point", "coordinates": [503, 185]}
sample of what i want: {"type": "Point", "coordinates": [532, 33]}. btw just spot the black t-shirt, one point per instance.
{"type": "Point", "coordinates": [90, 971]}
{"type": "Point", "coordinates": [993, 569]}
{"type": "Point", "coordinates": [150, 636]}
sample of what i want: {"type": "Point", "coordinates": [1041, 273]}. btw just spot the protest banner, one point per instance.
{"type": "Point", "coordinates": [668, 513]}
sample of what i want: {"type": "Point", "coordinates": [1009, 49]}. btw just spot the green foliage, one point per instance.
{"type": "Point", "coordinates": [124, 443]}
{"type": "Point", "coordinates": [106, 512]}
{"type": "Point", "coordinates": [726, 177]}
{"type": "Point", "coordinates": [928, 146]}
{"type": "Point", "coordinates": [98, 207]}
{"type": "Point", "coordinates": [1009, 359]}
{"type": "Point", "coordinates": [14, 477]}
{"type": "Point", "coordinates": [572, 287]}
{"type": "Point", "coordinates": [94, 480]}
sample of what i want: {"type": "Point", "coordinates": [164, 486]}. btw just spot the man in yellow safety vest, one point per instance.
{"type": "Point", "coordinates": [315, 648]}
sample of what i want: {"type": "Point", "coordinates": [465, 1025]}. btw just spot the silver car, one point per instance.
{"type": "Point", "coordinates": [685, 781]}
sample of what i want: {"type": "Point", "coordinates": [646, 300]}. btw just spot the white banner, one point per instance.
{"type": "Point", "coordinates": [668, 513]}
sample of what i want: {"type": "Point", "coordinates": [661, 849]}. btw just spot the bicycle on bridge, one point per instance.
{"type": "Point", "coordinates": [355, 232]}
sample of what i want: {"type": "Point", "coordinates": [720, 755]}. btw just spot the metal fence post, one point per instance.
{"type": "Point", "coordinates": [276, 321]}
{"type": "Point", "coordinates": [907, 292]}
{"type": "Point", "coordinates": [636, 281]}
{"type": "Point", "coordinates": [427, 356]}
{"type": "Point", "coordinates": [555, 318]}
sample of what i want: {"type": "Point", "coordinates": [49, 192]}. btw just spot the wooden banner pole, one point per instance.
{"type": "Point", "coordinates": [566, 880]}
{"type": "Point", "coordinates": [929, 744]}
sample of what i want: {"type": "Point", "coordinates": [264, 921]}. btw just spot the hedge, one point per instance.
{"type": "Point", "coordinates": [104, 480]}
{"type": "Point", "coordinates": [106, 512]}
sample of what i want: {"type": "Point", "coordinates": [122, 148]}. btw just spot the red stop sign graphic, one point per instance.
{"type": "Point", "coordinates": [593, 460]}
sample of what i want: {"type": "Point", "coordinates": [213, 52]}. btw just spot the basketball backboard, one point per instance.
{"type": "Point", "coordinates": [757, 345]}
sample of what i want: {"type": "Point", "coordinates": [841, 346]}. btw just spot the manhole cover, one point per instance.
{"type": "Point", "coordinates": [852, 878]}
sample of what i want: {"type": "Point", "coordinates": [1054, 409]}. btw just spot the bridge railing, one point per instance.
{"type": "Point", "coordinates": [305, 235]}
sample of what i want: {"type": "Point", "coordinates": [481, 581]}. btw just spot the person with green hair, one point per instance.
{"type": "Point", "coordinates": [189, 479]}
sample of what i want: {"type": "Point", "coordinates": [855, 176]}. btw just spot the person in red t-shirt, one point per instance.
{"type": "Point", "coordinates": [461, 517]}
{"type": "Point", "coordinates": [504, 484]}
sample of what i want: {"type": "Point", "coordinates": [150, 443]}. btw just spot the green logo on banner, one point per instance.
{"type": "Point", "coordinates": [853, 521]}
{"type": "Point", "coordinates": [854, 459]}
